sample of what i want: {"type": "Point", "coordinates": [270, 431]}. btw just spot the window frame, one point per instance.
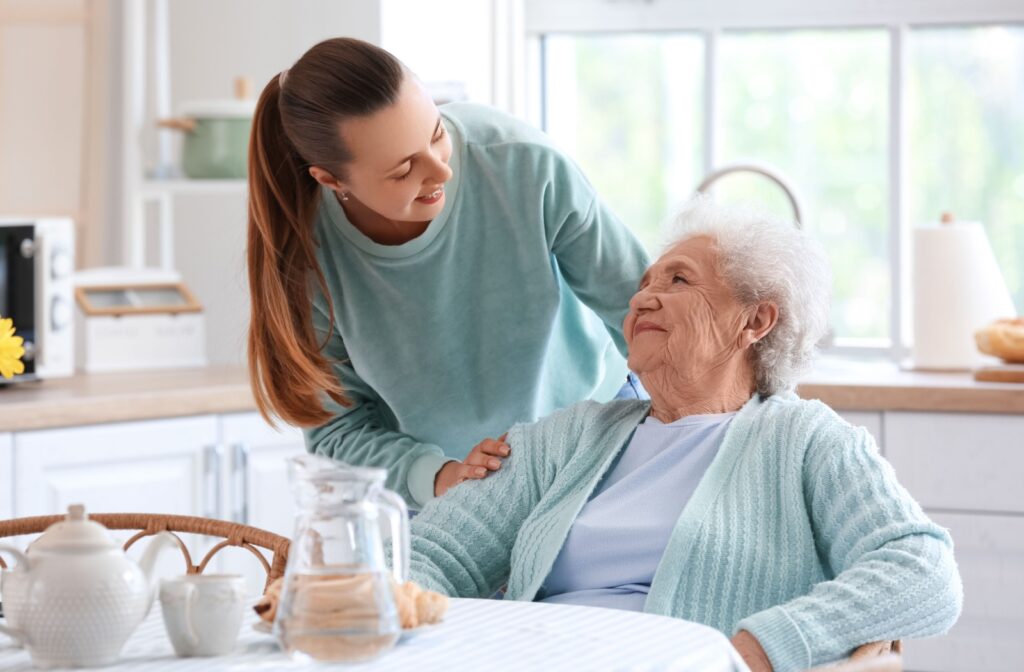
{"type": "Point", "coordinates": [542, 18]}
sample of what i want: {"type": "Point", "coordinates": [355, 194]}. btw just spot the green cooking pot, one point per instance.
{"type": "Point", "coordinates": [216, 139]}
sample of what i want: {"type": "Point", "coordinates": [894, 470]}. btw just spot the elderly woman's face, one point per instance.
{"type": "Point", "coordinates": [683, 316]}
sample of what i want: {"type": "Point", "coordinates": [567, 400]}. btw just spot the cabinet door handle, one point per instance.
{"type": "Point", "coordinates": [212, 459]}
{"type": "Point", "coordinates": [240, 486]}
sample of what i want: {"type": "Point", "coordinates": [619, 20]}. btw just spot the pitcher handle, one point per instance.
{"type": "Point", "coordinates": [23, 562]}
{"type": "Point", "coordinates": [398, 516]}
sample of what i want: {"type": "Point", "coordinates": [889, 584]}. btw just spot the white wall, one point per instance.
{"type": "Point", "coordinates": [443, 41]}
{"type": "Point", "coordinates": [52, 123]}
{"type": "Point", "coordinates": [212, 42]}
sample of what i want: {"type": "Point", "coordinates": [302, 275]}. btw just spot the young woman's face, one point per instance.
{"type": "Point", "coordinates": [399, 158]}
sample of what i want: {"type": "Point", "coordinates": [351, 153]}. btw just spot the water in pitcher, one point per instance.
{"type": "Point", "coordinates": [337, 602]}
{"type": "Point", "coordinates": [338, 615]}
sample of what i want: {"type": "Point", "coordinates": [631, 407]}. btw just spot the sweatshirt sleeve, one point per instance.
{"type": "Point", "coordinates": [462, 542]}
{"type": "Point", "coordinates": [364, 433]}
{"type": "Point", "coordinates": [600, 259]}
{"type": "Point", "coordinates": [894, 572]}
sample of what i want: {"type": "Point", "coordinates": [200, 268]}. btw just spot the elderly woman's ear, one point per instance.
{"type": "Point", "coordinates": [760, 321]}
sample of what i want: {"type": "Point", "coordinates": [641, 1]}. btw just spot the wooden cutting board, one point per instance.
{"type": "Point", "coordinates": [1001, 373]}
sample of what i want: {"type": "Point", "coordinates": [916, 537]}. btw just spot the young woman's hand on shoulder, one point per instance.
{"type": "Point", "coordinates": [485, 457]}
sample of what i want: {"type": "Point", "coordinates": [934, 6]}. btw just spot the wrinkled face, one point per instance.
{"type": "Point", "coordinates": [399, 157]}
{"type": "Point", "coordinates": [684, 316]}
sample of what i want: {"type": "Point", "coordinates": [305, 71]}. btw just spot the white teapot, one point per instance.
{"type": "Point", "coordinates": [74, 597]}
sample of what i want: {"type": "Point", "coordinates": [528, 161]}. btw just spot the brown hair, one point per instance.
{"type": "Point", "coordinates": [297, 124]}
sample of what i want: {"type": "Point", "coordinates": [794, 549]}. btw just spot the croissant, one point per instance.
{"type": "Point", "coordinates": [266, 606]}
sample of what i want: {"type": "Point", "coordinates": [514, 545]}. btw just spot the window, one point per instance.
{"type": "Point", "coordinates": [641, 144]}
{"type": "Point", "coordinates": [966, 123]}
{"type": "Point", "coordinates": [881, 121]}
{"type": "Point", "coordinates": [813, 104]}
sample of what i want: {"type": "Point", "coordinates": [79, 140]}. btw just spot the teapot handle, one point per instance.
{"type": "Point", "coordinates": [398, 516]}
{"type": "Point", "coordinates": [23, 561]}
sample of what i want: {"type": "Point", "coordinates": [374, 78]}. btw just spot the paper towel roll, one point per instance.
{"type": "Point", "coordinates": [958, 289]}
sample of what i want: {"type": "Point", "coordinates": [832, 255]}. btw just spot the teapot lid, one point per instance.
{"type": "Point", "coordinates": [75, 532]}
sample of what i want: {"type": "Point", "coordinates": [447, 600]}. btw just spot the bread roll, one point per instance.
{"type": "Point", "coordinates": [418, 607]}
{"type": "Point", "coordinates": [1003, 339]}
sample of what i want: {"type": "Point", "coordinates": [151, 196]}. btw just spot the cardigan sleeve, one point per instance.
{"type": "Point", "coordinates": [462, 542]}
{"type": "Point", "coordinates": [894, 575]}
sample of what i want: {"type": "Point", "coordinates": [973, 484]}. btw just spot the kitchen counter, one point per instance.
{"type": "Point", "coordinates": [122, 397]}
{"type": "Point", "coordinates": [88, 399]}
{"type": "Point", "coordinates": [851, 385]}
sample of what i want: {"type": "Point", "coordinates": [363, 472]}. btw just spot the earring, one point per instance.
{"type": "Point", "coordinates": [344, 196]}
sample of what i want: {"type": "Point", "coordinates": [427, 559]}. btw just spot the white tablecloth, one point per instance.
{"type": "Point", "coordinates": [476, 635]}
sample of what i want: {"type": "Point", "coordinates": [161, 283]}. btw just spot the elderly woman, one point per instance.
{"type": "Point", "coordinates": [725, 499]}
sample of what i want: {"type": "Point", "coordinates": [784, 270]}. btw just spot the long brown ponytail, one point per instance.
{"type": "Point", "coordinates": [297, 125]}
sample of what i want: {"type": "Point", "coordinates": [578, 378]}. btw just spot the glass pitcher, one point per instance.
{"type": "Point", "coordinates": [337, 602]}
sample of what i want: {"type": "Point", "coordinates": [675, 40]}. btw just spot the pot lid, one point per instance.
{"type": "Point", "coordinates": [219, 109]}
{"type": "Point", "coordinates": [76, 532]}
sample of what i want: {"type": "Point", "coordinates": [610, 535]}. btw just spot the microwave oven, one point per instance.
{"type": "Point", "coordinates": [36, 265]}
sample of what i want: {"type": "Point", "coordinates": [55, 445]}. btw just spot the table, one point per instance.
{"type": "Point", "coordinates": [491, 635]}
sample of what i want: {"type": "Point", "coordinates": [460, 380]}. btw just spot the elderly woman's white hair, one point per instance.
{"type": "Point", "coordinates": [766, 259]}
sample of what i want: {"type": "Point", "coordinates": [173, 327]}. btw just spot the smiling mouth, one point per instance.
{"type": "Point", "coordinates": [641, 327]}
{"type": "Point", "coordinates": [432, 197]}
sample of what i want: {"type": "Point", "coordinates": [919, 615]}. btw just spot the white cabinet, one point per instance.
{"type": "Point", "coordinates": [230, 467]}
{"type": "Point", "coordinates": [261, 496]}
{"type": "Point", "coordinates": [990, 554]}
{"type": "Point", "coordinates": [158, 466]}
{"type": "Point", "coordinates": [6, 475]}
{"type": "Point", "coordinates": [959, 461]}
{"type": "Point", "coordinates": [966, 471]}
{"type": "Point", "coordinates": [259, 468]}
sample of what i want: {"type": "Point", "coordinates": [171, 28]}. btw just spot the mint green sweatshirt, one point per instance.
{"type": "Point", "coordinates": [508, 307]}
{"type": "Point", "coordinates": [798, 532]}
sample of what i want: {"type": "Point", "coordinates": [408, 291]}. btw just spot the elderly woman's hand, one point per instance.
{"type": "Point", "coordinates": [483, 459]}
{"type": "Point", "coordinates": [751, 652]}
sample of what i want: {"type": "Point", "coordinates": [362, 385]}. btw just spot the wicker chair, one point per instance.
{"type": "Point", "coordinates": [148, 524]}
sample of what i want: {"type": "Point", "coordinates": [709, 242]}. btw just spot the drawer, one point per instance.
{"type": "Point", "coordinates": [866, 419]}
{"type": "Point", "coordinates": [963, 461]}
{"type": "Point", "coordinates": [990, 553]}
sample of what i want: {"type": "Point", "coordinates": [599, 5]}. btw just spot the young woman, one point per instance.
{"type": "Point", "coordinates": [421, 278]}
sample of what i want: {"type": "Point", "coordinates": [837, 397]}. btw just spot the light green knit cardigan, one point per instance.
{"type": "Point", "coordinates": [798, 532]}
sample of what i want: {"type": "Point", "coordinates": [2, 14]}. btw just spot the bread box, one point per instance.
{"type": "Point", "coordinates": [131, 321]}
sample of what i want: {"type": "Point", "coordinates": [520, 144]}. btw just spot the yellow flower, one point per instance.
{"type": "Point", "coordinates": [10, 350]}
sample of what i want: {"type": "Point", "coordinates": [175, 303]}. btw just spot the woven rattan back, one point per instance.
{"type": "Point", "coordinates": [148, 524]}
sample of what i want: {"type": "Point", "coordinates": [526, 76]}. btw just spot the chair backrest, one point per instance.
{"type": "Point", "coordinates": [147, 524]}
